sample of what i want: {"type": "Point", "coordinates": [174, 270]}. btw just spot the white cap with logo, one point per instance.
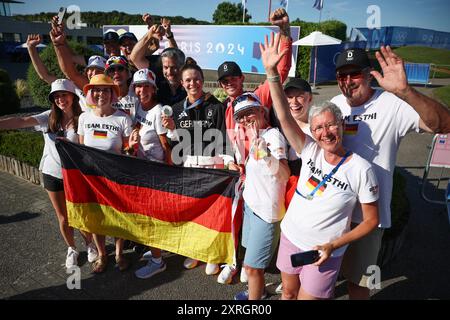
{"type": "Point", "coordinates": [144, 76]}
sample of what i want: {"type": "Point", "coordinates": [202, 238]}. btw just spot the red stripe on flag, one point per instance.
{"type": "Point", "coordinates": [165, 206]}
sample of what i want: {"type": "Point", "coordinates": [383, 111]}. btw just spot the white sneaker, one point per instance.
{"type": "Point", "coordinates": [71, 258]}
{"type": "Point", "coordinates": [243, 277]}
{"type": "Point", "coordinates": [279, 289]}
{"type": "Point", "coordinates": [211, 268]}
{"type": "Point", "coordinates": [227, 274]}
{"type": "Point", "coordinates": [92, 253]}
{"type": "Point", "coordinates": [147, 255]}
{"type": "Point", "coordinates": [190, 263]}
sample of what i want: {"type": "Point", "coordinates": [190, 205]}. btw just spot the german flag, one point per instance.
{"type": "Point", "coordinates": [100, 134]}
{"type": "Point", "coordinates": [351, 129]}
{"type": "Point", "coordinates": [313, 182]}
{"type": "Point", "coordinates": [188, 211]}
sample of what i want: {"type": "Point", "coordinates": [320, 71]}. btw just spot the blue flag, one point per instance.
{"type": "Point", "coordinates": [318, 4]}
{"type": "Point", "coordinates": [284, 3]}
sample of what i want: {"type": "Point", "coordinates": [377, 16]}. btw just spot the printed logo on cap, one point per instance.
{"type": "Point", "coordinates": [349, 55]}
{"type": "Point", "coordinates": [225, 67]}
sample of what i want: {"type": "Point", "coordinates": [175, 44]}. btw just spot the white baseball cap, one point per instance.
{"type": "Point", "coordinates": [244, 102]}
{"type": "Point", "coordinates": [144, 76]}
{"type": "Point", "coordinates": [61, 85]}
{"type": "Point", "coordinates": [96, 62]}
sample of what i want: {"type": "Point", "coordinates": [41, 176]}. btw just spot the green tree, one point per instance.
{"type": "Point", "coordinates": [227, 12]}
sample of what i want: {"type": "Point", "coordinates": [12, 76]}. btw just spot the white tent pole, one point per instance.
{"type": "Point", "coordinates": [315, 67]}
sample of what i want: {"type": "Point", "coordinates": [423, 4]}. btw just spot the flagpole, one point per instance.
{"type": "Point", "coordinates": [270, 9]}
{"type": "Point", "coordinates": [320, 13]}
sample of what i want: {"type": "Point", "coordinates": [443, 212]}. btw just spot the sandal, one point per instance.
{"type": "Point", "coordinates": [99, 265]}
{"type": "Point", "coordinates": [122, 263]}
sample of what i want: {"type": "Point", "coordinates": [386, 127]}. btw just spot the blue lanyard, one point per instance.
{"type": "Point", "coordinates": [193, 105]}
{"type": "Point", "coordinates": [328, 176]}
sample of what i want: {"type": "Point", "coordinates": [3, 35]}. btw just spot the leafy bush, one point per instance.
{"type": "Point", "coordinates": [220, 94]}
{"type": "Point", "coordinates": [9, 101]}
{"type": "Point", "coordinates": [21, 88]}
{"type": "Point", "coordinates": [39, 89]}
{"type": "Point", "coordinates": [24, 146]}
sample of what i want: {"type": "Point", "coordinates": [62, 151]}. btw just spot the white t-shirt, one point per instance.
{"type": "Point", "coordinates": [82, 99]}
{"type": "Point", "coordinates": [151, 127]}
{"type": "Point", "coordinates": [374, 131]}
{"type": "Point", "coordinates": [263, 193]}
{"type": "Point", "coordinates": [50, 161]}
{"type": "Point", "coordinates": [127, 103]}
{"type": "Point", "coordinates": [327, 216]}
{"type": "Point", "coordinates": [104, 133]}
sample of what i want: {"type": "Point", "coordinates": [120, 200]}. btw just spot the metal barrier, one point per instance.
{"type": "Point", "coordinates": [418, 73]}
{"type": "Point", "coordinates": [439, 157]}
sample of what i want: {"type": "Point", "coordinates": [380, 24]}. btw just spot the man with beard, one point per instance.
{"type": "Point", "coordinates": [375, 120]}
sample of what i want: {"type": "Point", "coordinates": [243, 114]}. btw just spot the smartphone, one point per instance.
{"type": "Point", "coordinates": [303, 258]}
{"type": "Point", "coordinates": [61, 13]}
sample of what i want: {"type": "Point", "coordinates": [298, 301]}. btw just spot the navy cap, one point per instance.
{"type": "Point", "coordinates": [298, 83]}
{"type": "Point", "coordinates": [227, 69]}
{"type": "Point", "coordinates": [353, 57]}
{"type": "Point", "coordinates": [127, 35]}
{"type": "Point", "coordinates": [111, 36]}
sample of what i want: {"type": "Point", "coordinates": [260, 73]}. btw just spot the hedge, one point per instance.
{"type": "Point", "coordinates": [25, 146]}
{"type": "Point", "coordinates": [9, 101]}
{"type": "Point", "coordinates": [39, 89]}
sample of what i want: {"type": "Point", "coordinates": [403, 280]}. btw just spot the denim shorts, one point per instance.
{"type": "Point", "coordinates": [260, 239]}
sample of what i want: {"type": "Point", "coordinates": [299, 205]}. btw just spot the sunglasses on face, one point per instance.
{"type": "Point", "coordinates": [354, 75]}
{"type": "Point", "coordinates": [226, 82]}
{"type": "Point", "coordinates": [98, 90]}
{"type": "Point", "coordinates": [246, 117]}
{"type": "Point", "coordinates": [116, 68]}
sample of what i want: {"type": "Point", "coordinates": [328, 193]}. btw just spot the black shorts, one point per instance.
{"type": "Point", "coordinates": [52, 183]}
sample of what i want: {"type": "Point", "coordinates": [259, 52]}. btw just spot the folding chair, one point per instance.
{"type": "Point", "coordinates": [439, 157]}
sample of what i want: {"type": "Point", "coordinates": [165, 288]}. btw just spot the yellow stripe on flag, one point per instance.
{"type": "Point", "coordinates": [185, 238]}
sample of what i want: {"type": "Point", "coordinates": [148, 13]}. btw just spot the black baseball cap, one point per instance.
{"type": "Point", "coordinates": [353, 57]}
{"type": "Point", "coordinates": [298, 83]}
{"type": "Point", "coordinates": [111, 36]}
{"type": "Point", "coordinates": [127, 35]}
{"type": "Point", "coordinates": [228, 69]}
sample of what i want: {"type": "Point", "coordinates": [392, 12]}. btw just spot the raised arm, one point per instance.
{"type": "Point", "coordinates": [165, 23]}
{"type": "Point", "coordinates": [65, 57]}
{"type": "Point", "coordinates": [270, 58]}
{"type": "Point", "coordinates": [434, 117]}
{"type": "Point", "coordinates": [32, 41]}
{"type": "Point", "coordinates": [140, 49]}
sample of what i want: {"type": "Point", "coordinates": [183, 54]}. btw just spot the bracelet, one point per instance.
{"type": "Point", "coordinates": [274, 78]}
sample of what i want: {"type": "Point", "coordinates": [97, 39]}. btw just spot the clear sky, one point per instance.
{"type": "Point", "coordinates": [429, 14]}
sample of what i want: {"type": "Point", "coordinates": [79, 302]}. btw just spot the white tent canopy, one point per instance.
{"type": "Point", "coordinates": [315, 39]}
{"type": "Point", "coordinates": [24, 45]}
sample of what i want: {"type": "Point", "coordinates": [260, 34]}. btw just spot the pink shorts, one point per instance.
{"type": "Point", "coordinates": [316, 281]}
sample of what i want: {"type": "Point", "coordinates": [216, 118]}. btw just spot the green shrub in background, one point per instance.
{"type": "Point", "coordinates": [9, 101]}
{"type": "Point", "coordinates": [333, 28]}
{"type": "Point", "coordinates": [25, 146]}
{"type": "Point", "coordinates": [21, 88]}
{"type": "Point", "coordinates": [220, 94]}
{"type": "Point", "coordinates": [39, 89]}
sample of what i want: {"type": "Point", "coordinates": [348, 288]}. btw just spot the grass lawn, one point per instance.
{"type": "Point", "coordinates": [443, 94]}
{"type": "Point", "coordinates": [427, 55]}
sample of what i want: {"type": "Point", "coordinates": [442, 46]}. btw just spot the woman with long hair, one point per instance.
{"type": "Point", "coordinates": [60, 121]}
